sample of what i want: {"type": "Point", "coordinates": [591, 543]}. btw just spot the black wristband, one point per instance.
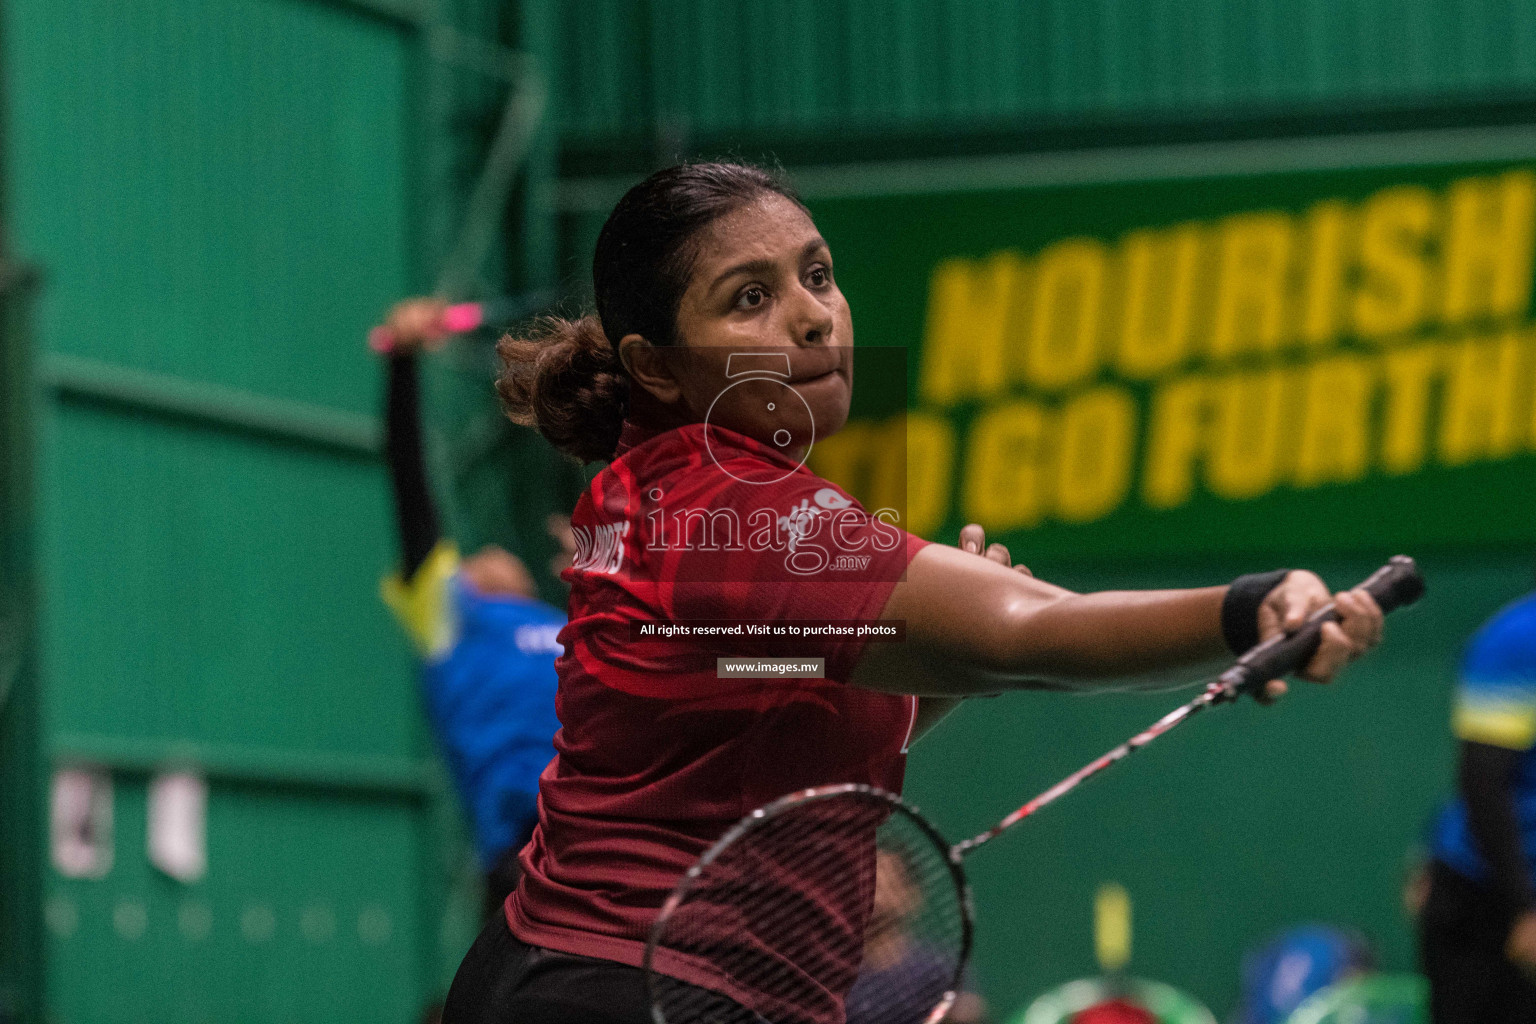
{"type": "Point", "coordinates": [1240, 608]}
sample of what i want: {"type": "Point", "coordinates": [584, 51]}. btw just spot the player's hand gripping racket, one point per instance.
{"type": "Point", "coordinates": [844, 903]}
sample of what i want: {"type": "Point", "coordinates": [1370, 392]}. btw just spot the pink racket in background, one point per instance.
{"type": "Point", "coordinates": [463, 317]}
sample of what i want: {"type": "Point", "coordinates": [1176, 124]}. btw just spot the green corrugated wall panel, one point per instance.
{"type": "Point", "coordinates": [227, 242]}
{"type": "Point", "coordinates": [205, 588]}
{"type": "Point", "coordinates": [913, 65]}
{"type": "Point", "coordinates": [593, 36]}
{"type": "Point", "coordinates": [286, 935]}
{"type": "Point", "coordinates": [222, 199]}
{"type": "Point", "coordinates": [192, 223]}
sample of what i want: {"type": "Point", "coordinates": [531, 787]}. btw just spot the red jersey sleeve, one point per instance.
{"type": "Point", "coordinates": [798, 551]}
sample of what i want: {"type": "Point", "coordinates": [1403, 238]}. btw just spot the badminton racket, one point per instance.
{"type": "Point", "coordinates": [844, 904]}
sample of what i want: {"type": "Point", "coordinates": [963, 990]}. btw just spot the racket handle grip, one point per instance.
{"type": "Point", "coordinates": [1394, 585]}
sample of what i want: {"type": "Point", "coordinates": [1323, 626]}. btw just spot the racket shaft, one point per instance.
{"type": "Point", "coordinates": [1394, 585]}
{"type": "Point", "coordinates": [1088, 771]}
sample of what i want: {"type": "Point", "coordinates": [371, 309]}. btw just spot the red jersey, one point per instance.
{"type": "Point", "coordinates": [658, 755]}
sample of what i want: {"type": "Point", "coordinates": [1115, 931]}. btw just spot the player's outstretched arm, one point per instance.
{"type": "Point", "coordinates": [976, 626]}
{"type": "Point", "coordinates": [415, 325]}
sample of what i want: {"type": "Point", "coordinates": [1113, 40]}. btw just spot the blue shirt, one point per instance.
{"type": "Point", "coordinates": [1496, 705]}
{"type": "Point", "coordinates": [488, 672]}
{"type": "Point", "coordinates": [904, 992]}
{"type": "Point", "coordinates": [1283, 974]}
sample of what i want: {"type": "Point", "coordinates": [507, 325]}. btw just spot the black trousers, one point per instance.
{"type": "Point", "coordinates": [505, 981]}
{"type": "Point", "coordinates": [1462, 932]}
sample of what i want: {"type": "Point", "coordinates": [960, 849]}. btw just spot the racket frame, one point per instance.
{"type": "Point", "coordinates": [784, 804]}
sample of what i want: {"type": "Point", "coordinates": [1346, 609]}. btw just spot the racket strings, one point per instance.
{"type": "Point", "coordinates": [829, 901]}
{"type": "Point", "coordinates": [916, 939]}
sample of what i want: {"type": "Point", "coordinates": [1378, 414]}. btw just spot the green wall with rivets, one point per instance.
{"type": "Point", "coordinates": [221, 200]}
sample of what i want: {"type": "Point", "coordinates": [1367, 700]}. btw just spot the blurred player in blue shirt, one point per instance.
{"type": "Point", "coordinates": [1285, 972]}
{"type": "Point", "coordinates": [1478, 926]}
{"type": "Point", "coordinates": [901, 979]}
{"type": "Point", "coordinates": [487, 645]}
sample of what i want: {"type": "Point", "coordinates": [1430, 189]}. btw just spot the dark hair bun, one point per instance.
{"type": "Point", "coordinates": [566, 380]}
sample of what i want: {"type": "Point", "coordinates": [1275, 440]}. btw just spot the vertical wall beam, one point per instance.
{"type": "Point", "coordinates": [22, 832]}
{"type": "Point", "coordinates": [540, 242]}
{"type": "Point", "coordinates": [430, 236]}
{"type": "Point", "coordinates": [22, 780]}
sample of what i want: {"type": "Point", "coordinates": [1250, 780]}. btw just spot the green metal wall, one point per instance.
{"type": "Point", "coordinates": [714, 68]}
{"type": "Point", "coordinates": [223, 200]}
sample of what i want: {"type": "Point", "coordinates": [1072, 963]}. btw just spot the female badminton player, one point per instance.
{"type": "Point", "coordinates": [720, 349]}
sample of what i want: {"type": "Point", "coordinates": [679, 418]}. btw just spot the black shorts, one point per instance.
{"type": "Point", "coordinates": [501, 880]}
{"type": "Point", "coordinates": [1462, 931]}
{"type": "Point", "coordinates": [505, 981]}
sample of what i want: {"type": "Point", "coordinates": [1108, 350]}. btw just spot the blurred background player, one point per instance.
{"type": "Point", "coordinates": [1281, 975]}
{"type": "Point", "coordinates": [900, 977]}
{"type": "Point", "coordinates": [487, 644]}
{"type": "Point", "coordinates": [1478, 926]}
